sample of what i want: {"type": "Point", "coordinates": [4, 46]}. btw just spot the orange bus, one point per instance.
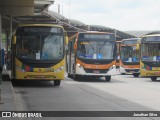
{"type": "Point", "coordinates": [91, 54]}
{"type": "Point", "coordinates": [129, 58]}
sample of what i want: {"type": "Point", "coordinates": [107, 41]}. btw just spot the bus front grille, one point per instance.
{"type": "Point", "coordinates": [95, 71]}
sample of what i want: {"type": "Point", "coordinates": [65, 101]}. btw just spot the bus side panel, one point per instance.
{"type": "Point", "coordinates": [23, 72]}
{"type": "Point", "coordinates": [148, 70]}
{"type": "Point", "coordinates": [71, 55]}
{"type": "Point", "coordinates": [70, 63]}
{"type": "Point", "coordinates": [12, 62]}
{"type": "Point", "coordinates": [118, 54]}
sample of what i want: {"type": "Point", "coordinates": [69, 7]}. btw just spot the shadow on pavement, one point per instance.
{"type": "Point", "coordinates": [97, 80]}
{"type": "Point", "coordinates": [32, 83]}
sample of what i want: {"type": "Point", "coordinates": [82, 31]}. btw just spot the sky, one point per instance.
{"type": "Point", "coordinates": [126, 15]}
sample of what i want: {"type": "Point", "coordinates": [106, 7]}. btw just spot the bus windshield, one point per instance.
{"type": "Point", "coordinates": [150, 52]}
{"type": "Point", "coordinates": [95, 49]}
{"type": "Point", "coordinates": [129, 54]}
{"type": "Point", "coordinates": [40, 43]}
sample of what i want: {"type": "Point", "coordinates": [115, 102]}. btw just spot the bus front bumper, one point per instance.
{"type": "Point", "coordinates": [129, 70]}
{"type": "Point", "coordinates": [149, 73]}
{"type": "Point", "coordinates": [111, 71]}
{"type": "Point", "coordinates": [40, 76]}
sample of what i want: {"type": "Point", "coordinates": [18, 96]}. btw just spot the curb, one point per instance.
{"type": "Point", "coordinates": [8, 100]}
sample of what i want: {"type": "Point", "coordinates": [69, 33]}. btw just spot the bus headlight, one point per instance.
{"type": "Point", "coordinates": [59, 69]}
{"type": "Point", "coordinates": [113, 66]}
{"type": "Point", "coordinates": [79, 66]}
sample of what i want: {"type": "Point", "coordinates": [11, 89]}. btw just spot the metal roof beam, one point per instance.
{"type": "Point", "coordinates": [17, 7]}
{"type": "Point", "coordinates": [37, 10]}
{"type": "Point", "coordinates": [39, 2]}
{"type": "Point", "coordinates": [9, 18]}
{"type": "Point", "coordinates": [38, 14]}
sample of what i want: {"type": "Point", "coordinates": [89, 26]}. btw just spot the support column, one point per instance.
{"type": "Point", "coordinates": [7, 40]}
{"type": "Point", "coordinates": [0, 31]}
{"type": "Point", "coordinates": [10, 32]}
{"type": "Point", "coordinates": [0, 56]}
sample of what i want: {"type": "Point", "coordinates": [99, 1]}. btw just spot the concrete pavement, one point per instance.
{"type": "Point", "coordinates": [78, 95]}
{"type": "Point", "coordinates": [8, 99]}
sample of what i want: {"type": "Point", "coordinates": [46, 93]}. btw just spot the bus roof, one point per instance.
{"type": "Point", "coordinates": [96, 32]}
{"type": "Point", "coordinates": [90, 32]}
{"type": "Point", "coordinates": [23, 25]}
{"type": "Point", "coordinates": [151, 35]}
{"type": "Point", "coordinates": [130, 39]}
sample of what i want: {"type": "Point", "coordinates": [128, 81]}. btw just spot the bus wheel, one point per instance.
{"type": "Point", "coordinates": [154, 78]}
{"type": "Point", "coordinates": [75, 77]}
{"type": "Point", "coordinates": [123, 73]}
{"type": "Point", "coordinates": [69, 75]}
{"type": "Point", "coordinates": [57, 82]}
{"type": "Point", "coordinates": [108, 78]}
{"type": "Point", "coordinates": [13, 80]}
{"type": "Point", "coordinates": [135, 74]}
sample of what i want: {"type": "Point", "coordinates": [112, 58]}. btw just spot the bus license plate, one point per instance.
{"type": "Point", "coordinates": [95, 71]}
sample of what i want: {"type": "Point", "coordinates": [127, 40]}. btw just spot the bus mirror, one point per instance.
{"type": "Point", "coordinates": [66, 40]}
{"type": "Point", "coordinates": [137, 47]}
{"type": "Point", "coordinates": [14, 39]}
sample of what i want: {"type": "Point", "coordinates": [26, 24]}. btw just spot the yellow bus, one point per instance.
{"type": "Point", "coordinates": [91, 54]}
{"type": "Point", "coordinates": [38, 53]}
{"type": "Point", "coordinates": [129, 58]}
{"type": "Point", "coordinates": [150, 56]}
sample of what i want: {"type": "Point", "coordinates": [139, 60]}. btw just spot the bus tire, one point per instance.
{"type": "Point", "coordinates": [13, 80]}
{"type": "Point", "coordinates": [123, 73]}
{"type": "Point", "coordinates": [57, 82]}
{"type": "Point", "coordinates": [108, 78]}
{"type": "Point", "coordinates": [69, 75]}
{"type": "Point", "coordinates": [153, 78]}
{"type": "Point", "coordinates": [75, 77]}
{"type": "Point", "coordinates": [135, 74]}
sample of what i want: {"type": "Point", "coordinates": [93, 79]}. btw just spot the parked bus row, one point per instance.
{"type": "Point", "coordinates": [38, 52]}
{"type": "Point", "coordinates": [141, 56]}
